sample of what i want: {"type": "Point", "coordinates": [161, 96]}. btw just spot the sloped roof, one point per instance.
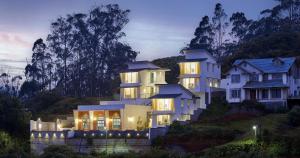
{"type": "Point", "coordinates": [267, 65]}
{"type": "Point", "coordinates": [265, 84]}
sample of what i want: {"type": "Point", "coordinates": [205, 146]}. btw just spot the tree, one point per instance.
{"type": "Point", "coordinates": [59, 43]}
{"type": "Point", "coordinates": [203, 35]}
{"type": "Point", "coordinates": [240, 25]}
{"type": "Point", "coordinates": [219, 26]}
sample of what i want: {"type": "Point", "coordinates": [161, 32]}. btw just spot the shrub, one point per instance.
{"type": "Point", "coordinates": [58, 151]}
{"type": "Point", "coordinates": [294, 116]}
{"type": "Point", "coordinates": [252, 105]}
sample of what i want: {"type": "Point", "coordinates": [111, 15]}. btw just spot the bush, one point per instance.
{"type": "Point", "coordinates": [294, 116]}
{"type": "Point", "coordinates": [58, 151]}
{"type": "Point", "coordinates": [252, 105]}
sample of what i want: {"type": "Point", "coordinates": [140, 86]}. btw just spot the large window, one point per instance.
{"type": "Point", "coordinates": [276, 93]}
{"type": "Point", "coordinates": [265, 94]}
{"type": "Point", "coordinates": [265, 77]}
{"type": "Point", "coordinates": [129, 93]}
{"type": "Point", "coordinates": [85, 122]}
{"type": "Point", "coordinates": [152, 77]}
{"type": "Point", "coordinates": [277, 76]}
{"type": "Point", "coordinates": [236, 78]}
{"type": "Point", "coordinates": [163, 120]}
{"type": "Point", "coordinates": [254, 77]}
{"type": "Point", "coordinates": [163, 104]}
{"type": "Point", "coordinates": [235, 93]}
{"type": "Point", "coordinates": [189, 83]}
{"type": "Point", "coordinates": [116, 123]}
{"type": "Point", "coordinates": [190, 68]}
{"type": "Point", "coordinates": [100, 123]}
{"type": "Point", "coordinates": [131, 77]}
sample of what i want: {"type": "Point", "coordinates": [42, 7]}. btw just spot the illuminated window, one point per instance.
{"type": "Point", "coordinates": [163, 120]}
{"type": "Point", "coordinates": [85, 122]}
{"type": "Point", "coordinates": [116, 123]}
{"type": "Point", "coordinates": [131, 77]}
{"type": "Point", "coordinates": [100, 123]}
{"type": "Point", "coordinates": [190, 68]}
{"type": "Point", "coordinates": [152, 77]}
{"type": "Point", "coordinates": [189, 83]}
{"type": "Point", "coordinates": [164, 104]}
{"type": "Point", "coordinates": [129, 93]}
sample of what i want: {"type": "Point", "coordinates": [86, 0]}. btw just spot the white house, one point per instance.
{"type": "Point", "coordinates": [173, 102]}
{"type": "Point", "coordinates": [271, 80]}
{"type": "Point", "coordinates": [200, 73]}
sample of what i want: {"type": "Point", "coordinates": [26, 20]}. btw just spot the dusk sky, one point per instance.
{"type": "Point", "coordinates": [157, 28]}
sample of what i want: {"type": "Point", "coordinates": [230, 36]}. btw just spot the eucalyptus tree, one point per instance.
{"type": "Point", "coordinates": [203, 35]}
{"type": "Point", "coordinates": [59, 44]}
{"type": "Point", "coordinates": [219, 25]}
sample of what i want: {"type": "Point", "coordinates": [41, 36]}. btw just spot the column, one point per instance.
{"type": "Point", "coordinates": [76, 119]}
{"type": "Point", "coordinates": [122, 119]}
{"type": "Point", "coordinates": [106, 116]}
{"type": "Point", "coordinates": [154, 121]}
{"type": "Point", "coordinates": [91, 117]}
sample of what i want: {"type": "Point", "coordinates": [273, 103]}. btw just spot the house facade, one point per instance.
{"type": "Point", "coordinates": [147, 101]}
{"type": "Point", "coordinates": [200, 73]}
{"type": "Point", "coordinates": [270, 81]}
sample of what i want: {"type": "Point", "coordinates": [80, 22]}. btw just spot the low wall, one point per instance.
{"type": "Point", "coordinates": [86, 141]}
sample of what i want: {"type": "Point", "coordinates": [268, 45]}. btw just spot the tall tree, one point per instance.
{"type": "Point", "coordinates": [220, 25]}
{"type": "Point", "coordinates": [203, 35]}
{"type": "Point", "coordinates": [59, 44]}
{"type": "Point", "coordinates": [240, 25]}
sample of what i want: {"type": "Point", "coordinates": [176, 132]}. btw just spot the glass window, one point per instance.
{"type": "Point", "coordinates": [131, 77]}
{"type": "Point", "coordinates": [254, 77]}
{"type": "Point", "coordinates": [265, 93]}
{"type": "Point", "coordinates": [277, 76]}
{"type": "Point", "coordinates": [235, 78]}
{"type": "Point", "coordinates": [163, 119]}
{"type": "Point", "coordinates": [190, 68]}
{"type": "Point", "coordinates": [152, 77]}
{"type": "Point", "coordinates": [85, 122]}
{"type": "Point", "coordinates": [182, 102]}
{"type": "Point", "coordinates": [189, 83]}
{"type": "Point", "coordinates": [235, 93]}
{"type": "Point", "coordinates": [129, 93]}
{"type": "Point", "coordinates": [265, 77]}
{"type": "Point", "coordinates": [276, 93]}
{"type": "Point", "coordinates": [116, 123]}
{"type": "Point", "coordinates": [164, 104]}
{"type": "Point", "coordinates": [100, 123]}
{"type": "Point", "coordinates": [207, 66]}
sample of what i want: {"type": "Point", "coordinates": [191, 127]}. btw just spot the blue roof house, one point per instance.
{"type": "Point", "coordinates": [270, 81]}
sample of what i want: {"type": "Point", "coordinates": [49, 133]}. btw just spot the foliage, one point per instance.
{"type": "Point", "coordinates": [13, 117]}
{"type": "Point", "coordinates": [218, 108]}
{"type": "Point", "coordinates": [6, 143]}
{"type": "Point", "coordinates": [58, 151]}
{"type": "Point", "coordinates": [252, 105]}
{"type": "Point", "coordinates": [10, 85]}
{"type": "Point", "coordinates": [294, 116]}
{"type": "Point", "coordinates": [82, 54]}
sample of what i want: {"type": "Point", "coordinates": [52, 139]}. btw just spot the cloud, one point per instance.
{"type": "Point", "coordinates": [13, 39]}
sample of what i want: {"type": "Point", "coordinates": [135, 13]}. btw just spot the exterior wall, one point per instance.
{"type": "Point", "coordinates": [244, 78]}
{"type": "Point", "coordinates": [132, 117]}
{"type": "Point", "coordinates": [57, 125]}
{"type": "Point", "coordinates": [136, 117]}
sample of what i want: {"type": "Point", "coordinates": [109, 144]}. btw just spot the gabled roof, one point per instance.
{"type": "Point", "coordinates": [268, 65]}
{"type": "Point", "coordinates": [265, 84]}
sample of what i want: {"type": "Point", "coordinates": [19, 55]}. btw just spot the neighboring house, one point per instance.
{"type": "Point", "coordinates": [173, 102]}
{"type": "Point", "coordinates": [200, 73]}
{"type": "Point", "coordinates": [271, 81]}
